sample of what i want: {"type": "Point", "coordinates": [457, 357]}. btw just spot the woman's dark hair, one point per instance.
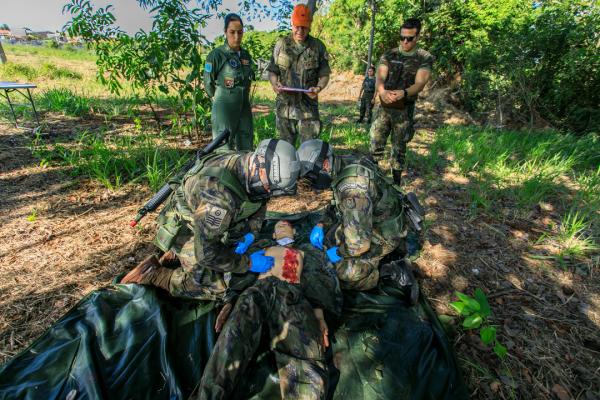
{"type": "Point", "coordinates": [232, 17]}
{"type": "Point", "coordinates": [412, 23]}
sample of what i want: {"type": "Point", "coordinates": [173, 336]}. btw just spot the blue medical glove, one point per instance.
{"type": "Point", "coordinates": [333, 255]}
{"type": "Point", "coordinates": [242, 246]}
{"type": "Point", "coordinates": [317, 236]}
{"type": "Point", "coordinates": [260, 263]}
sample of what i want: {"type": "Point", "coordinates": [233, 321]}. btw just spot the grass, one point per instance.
{"type": "Point", "coordinates": [66, 52]}
{"type": "Point", "coordinates": [113, 160]}
{"type": "Point", "coordinates": [518, 170]}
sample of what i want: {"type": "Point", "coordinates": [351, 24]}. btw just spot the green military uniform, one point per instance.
{"type": "Point", "coordinates": [366, 221]}
{"type": "Point", "coordinates": [285, 311]}
{"type": "Point", "coordinates": [397, 118]}
{"type": "Point", "coordinates": [227, 78]}
{"type": "Point", "coordinates": [202, 222]}
{"type": "Point", "coordinates": [298, 65]}
{"type": "Point", "coordinates": [366, 100]}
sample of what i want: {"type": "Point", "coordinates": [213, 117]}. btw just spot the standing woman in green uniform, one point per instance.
{"type": "Point", "coordinates": [227, 76]}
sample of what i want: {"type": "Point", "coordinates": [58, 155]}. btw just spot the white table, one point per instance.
{"type": "Point", "coordinates": [24, 90]}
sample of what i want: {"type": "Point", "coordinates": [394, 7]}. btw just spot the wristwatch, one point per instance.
{"type": "Point", "coordinates": [405, 93]}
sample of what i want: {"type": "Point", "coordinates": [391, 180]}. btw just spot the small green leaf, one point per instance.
{"type": "Point", "coordinates": [472, 322]}
{"type": "Point", "coordinates": [483, 303]}
{"type": "Point", "coordinates": [500, 350]}
{"type": "Point", "coordinates": [487, 334]}
{"type": "Point", "coordinates": [461, 308]}
{"type": "Point", "coordinates": [469, 301]}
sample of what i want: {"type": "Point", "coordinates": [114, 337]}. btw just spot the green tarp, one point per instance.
{"type": "Point", "coordinates": [136, 342]}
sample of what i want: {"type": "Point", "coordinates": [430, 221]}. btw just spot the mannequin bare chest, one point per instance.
{"type": "Point", "coordinates": [288, 264]}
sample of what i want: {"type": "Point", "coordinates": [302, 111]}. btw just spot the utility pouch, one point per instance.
{"type": "Point", "coordinates": [169, 225]}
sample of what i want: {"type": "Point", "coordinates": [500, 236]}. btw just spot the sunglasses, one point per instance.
{"type": "Point", "coordinates": [407, 38]}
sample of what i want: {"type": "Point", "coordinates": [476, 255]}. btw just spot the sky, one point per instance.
{"type": "Point", "coordinates": [46, 15]}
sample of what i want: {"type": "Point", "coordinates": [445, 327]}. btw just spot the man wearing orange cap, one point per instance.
{"type": "Point", "coordinates": [299, 61]}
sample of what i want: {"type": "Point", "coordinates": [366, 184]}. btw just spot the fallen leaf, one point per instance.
{"type": "Point", "coordinates": [495, 386]}
{"type": "Point", "coordinates": [560, 392]}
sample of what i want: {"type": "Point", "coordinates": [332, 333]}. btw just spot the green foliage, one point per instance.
{"type": "Point", "coordinates": [53, 72]}
{"type": "Point", "coordinates": [65, 101]}
{"type": "Point", "coordinates": [518, 61]}
{"type": "Point", "coordinates": [18, 72]}
{"type": "Point", "coordinates": [476, 311]}
{"type": "Point", "coordinates": [112, 161]}
{"type": "Point", "coordinates": [165, 60]}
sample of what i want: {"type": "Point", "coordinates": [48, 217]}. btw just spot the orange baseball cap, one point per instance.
{"type": "Point", "coordinates": [301, 16]}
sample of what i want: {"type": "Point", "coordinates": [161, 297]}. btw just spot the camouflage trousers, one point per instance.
{"type": "Point", "coordinates": [282, 310]}
{"type": "Point", "coordinates": [192, 280]}
{"type": "Point", "coordinates": [362, 272]}
{"type": "Point", "coordinates": [290, 129]}
{"type": "Point", "coordinates": [366, 106]}
{"type": "Point", "coordinates": [401, 126]}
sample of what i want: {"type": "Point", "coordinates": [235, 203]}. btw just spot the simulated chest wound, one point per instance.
{"type": "Point", "coordinates": [290, 270]}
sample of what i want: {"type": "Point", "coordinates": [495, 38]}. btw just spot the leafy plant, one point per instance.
{"type": "Point", "coordinates": [165, 60]}
{"type": "Point", "coordinates": [476, 311]}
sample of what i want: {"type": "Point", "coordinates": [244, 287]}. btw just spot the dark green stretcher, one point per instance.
{"type": "Point", "coordinates": [137, 342]}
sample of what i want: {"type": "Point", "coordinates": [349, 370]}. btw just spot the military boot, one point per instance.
{"type": "Point", "coordinates": [149, 272]}
{"type": "Point", "coordinates": [397, 174]}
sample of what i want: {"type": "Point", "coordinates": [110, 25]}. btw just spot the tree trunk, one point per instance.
{"type": "Point", "coordinates": [372, 37]}
{"type": "Point", "coordinates": [2, 55]}
{"type": "Point", "coordinates": [312, 5]}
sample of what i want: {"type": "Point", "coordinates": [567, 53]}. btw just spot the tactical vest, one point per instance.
{"type": "Point", "coordinates": [391, 197]}
{"type": "Point", "coordinates": [177, 215]}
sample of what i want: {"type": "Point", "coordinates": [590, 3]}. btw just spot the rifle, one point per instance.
{"type": "Point", "coordinates": [167, 189]}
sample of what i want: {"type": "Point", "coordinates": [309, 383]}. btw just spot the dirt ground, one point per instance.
{"type": "Point", "coordinates": [61, 238]}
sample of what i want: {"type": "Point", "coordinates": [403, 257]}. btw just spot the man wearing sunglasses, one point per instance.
{"type": "Point", "coordinates": [402, 73]}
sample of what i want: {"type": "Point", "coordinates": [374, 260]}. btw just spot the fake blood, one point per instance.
{"type": "Point", "coordinates": [290, 266]}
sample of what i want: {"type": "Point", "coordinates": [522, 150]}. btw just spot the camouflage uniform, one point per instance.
{"type": "Point", "coordinates": [397, 117]}
{"type": "Point", "coordinates": [298, 66]}
{"type": "Point", "coordinates": [366, 220]}
{"type": "Point", "coordinates": [285, 311]}
{"type": "Point", "coordinates": [366, 100]}
{"type": "Point", "coordinates": [201, 224]}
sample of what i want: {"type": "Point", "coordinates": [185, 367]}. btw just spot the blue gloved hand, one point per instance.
{"type": "Point", "coordinates": [317, 236]}
{"type": "Point", "coordinates": [260, 263]}
{"type": "Point", "coordinates": [333, 255]}
{"type": "Point", "coordinates": [242, 246]}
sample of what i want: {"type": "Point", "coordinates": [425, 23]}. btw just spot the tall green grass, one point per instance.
{"type": "Point", "coordinates": [65, 101]}
{"type": "Point", "coordinates": [113, 161]}
{"type": "Point", "coordinates": [67, 52]}
{"type": "Point", "coordinates": [12, 71]}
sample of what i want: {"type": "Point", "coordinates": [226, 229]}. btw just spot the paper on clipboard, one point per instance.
{"type": "Point", "coordinates": [291, 89]}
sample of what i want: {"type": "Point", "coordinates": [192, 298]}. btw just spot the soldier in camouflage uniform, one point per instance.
{"type": "Point", "coordinates": [299, 61]}
{"type": "Point", "coordinates": [401, 75]}
{"type": "Point", "coordinates": [367, 96]}
{"type": "Point", "coordinates": [212, 218]}
{"type": "Point", "coordinates": [288, 303]}
{"type": "Point", "coordinates": [369, 218]}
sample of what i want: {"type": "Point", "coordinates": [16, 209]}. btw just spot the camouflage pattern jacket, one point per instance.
{"type": "Point", "coordinates": [298, 66]}
{"type": "Point", "coordinates": [205, 217]}
{"type": "Point", "coordinates": [402, 70]}
{"type": "Point", "coordinates": [367, 205]}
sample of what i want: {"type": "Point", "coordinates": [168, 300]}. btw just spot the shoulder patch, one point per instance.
{"type": "Point", "coordinates": [214, 216]}
{"type": "Point", "coordinates": [351, 186]}
{"type": "Point", "coordinates": [208, 67]}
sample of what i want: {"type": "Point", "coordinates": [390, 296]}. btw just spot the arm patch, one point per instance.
{"type": "Point", "coordinates": [214, 216]}
{"type": "Point", "coordinates": [208, 67]}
